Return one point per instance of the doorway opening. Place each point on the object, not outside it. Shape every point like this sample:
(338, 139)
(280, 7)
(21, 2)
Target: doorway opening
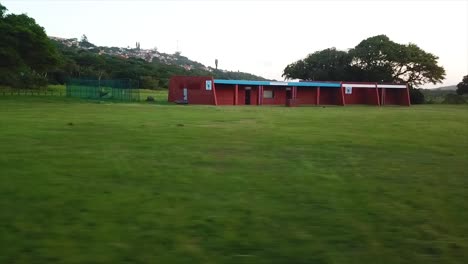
(247, 97)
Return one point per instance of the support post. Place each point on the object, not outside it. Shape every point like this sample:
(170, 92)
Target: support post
(214, 91)
(259, 96)
(407, 96)
(383, 96)
(318, 95)
(236, 94)
(377, 94)
(343, 103)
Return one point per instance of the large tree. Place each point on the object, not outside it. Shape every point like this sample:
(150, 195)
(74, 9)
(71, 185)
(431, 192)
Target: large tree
(375, 59)
(25, 50)
(462, 88)
(385, 60)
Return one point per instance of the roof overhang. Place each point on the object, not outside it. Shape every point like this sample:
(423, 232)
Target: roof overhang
(276, 83)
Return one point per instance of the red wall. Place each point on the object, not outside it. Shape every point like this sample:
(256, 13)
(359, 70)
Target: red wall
(306, 95)
(225, 94)
(330, 96)
(362, 96)
(196, 93)
(253, 95)
(279, 97)
(394, 96)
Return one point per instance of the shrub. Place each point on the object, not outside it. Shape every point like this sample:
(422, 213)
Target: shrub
(454, 99)
(416, 96)
(149, 82)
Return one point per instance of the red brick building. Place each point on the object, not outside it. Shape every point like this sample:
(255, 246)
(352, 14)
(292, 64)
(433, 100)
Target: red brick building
(209, 91)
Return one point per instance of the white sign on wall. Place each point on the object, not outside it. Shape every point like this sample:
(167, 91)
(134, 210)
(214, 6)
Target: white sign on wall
(348, 90)
(278, 83)
(208, 85)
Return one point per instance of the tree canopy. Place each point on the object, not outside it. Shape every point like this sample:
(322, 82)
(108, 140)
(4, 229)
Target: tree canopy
(375, 59)
(462, 87)
(329, 64)
(26, 54)
(2, 11)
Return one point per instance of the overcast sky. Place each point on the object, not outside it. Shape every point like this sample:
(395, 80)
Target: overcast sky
(259, 37)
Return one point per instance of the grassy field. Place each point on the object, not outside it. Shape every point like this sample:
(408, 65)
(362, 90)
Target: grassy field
(88, 182)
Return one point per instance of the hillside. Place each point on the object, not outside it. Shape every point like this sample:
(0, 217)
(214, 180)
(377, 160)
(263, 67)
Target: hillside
(447, 88)
(82, 59)
(437, 95)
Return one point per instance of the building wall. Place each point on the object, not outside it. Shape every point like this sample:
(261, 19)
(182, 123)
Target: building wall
(225, 94)
(279, 97)
(306, 95)
(330, 96)
(394, 96)
(362, 96)
(253, 95)
(196, 91)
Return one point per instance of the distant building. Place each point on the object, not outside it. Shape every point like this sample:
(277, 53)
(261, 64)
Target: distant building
(206, 90)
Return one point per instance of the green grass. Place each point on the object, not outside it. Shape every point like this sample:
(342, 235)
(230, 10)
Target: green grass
(87, 182)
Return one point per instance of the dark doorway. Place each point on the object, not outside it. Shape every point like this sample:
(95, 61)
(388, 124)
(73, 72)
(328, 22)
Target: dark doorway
(288, 95)
(247, 97)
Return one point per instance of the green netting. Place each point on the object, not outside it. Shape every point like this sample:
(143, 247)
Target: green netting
(121, 90)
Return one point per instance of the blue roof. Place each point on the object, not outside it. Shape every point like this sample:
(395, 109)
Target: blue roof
(273, 83)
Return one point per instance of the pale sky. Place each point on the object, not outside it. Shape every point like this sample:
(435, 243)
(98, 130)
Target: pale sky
(259, 37)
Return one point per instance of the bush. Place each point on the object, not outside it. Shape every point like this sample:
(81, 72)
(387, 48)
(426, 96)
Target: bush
(416, 96)
(23, 79)
(150, 99)
(454, 99)
(32, 80)
(149, 82)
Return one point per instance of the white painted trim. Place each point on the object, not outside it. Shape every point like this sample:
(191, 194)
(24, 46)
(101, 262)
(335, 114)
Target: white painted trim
(359, 85)
(399, 86)
(279, 83)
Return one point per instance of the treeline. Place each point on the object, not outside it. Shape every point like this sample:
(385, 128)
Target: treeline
(29, 59)
(457, 95)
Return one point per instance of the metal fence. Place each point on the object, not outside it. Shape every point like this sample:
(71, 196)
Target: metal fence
(30, 92)
(120, 90)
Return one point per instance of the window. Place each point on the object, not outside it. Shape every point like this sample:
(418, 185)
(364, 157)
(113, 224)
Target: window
(268, 94)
